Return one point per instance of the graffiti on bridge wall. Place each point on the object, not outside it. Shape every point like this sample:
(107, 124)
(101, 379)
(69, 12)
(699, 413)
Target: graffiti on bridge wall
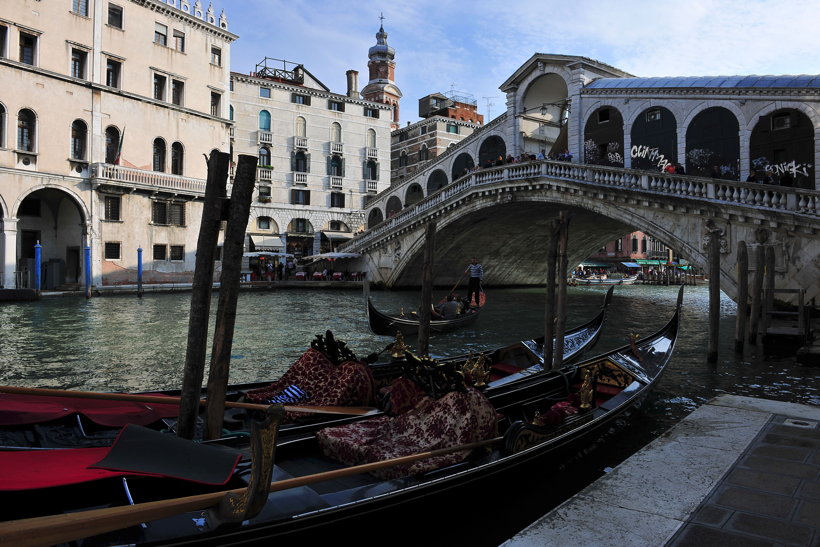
(652, 154)
(791, 167)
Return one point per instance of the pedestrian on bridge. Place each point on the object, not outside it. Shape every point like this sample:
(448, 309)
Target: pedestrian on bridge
(476, 272)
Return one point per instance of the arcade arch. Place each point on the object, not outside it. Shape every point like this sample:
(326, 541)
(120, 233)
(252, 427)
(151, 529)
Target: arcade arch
(462, 165)
(436, 181)
(654, 139)
(604, 137)
(492, 148)
(713, 144)
(413, 195)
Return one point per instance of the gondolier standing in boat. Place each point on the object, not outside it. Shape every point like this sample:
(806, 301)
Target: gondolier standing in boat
(476, 273)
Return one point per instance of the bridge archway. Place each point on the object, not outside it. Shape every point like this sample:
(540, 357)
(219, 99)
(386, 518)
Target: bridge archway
(462, 165)
(604, 137)
(654, 139)
(436, 181)
(492, 148)
(782, 142)
(413, 195)
(393, 206)
(544, 112)
(713, 141)
(374, 217)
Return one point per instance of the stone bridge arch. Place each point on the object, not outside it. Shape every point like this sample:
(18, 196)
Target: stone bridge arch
(436, 181)
(492, 148)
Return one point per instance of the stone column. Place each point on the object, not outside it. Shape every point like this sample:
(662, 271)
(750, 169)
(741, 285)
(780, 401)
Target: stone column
(9, 241)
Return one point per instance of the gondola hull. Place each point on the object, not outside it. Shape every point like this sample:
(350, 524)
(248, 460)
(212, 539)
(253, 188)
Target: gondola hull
(388, 325)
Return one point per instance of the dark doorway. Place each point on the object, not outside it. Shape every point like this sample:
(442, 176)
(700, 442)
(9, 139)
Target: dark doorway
(604, 138)
(72, 264)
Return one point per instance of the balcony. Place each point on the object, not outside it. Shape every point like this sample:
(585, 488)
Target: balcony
(300, 142)
(128, 177)
(264, 174)
(372, 186)
(336, 183)
(264, 137)
(372, 153)
(337, 148)
(232, 132)
(300, 179)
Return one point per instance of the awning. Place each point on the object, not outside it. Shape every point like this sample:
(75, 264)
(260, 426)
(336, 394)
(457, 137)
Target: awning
(338, 235)
(332, 256)
(644, 262)
(596, 264)
(268, 254)
(266, 243)
(631, 264)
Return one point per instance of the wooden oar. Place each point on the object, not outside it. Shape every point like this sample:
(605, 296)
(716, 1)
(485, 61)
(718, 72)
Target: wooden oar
(70, 526)
(157, 399)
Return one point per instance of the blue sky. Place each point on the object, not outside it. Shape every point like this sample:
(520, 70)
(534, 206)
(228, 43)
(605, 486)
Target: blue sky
(472, 47)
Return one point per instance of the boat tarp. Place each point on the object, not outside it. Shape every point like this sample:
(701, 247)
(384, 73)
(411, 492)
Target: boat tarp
(591, 264)
(631, 264)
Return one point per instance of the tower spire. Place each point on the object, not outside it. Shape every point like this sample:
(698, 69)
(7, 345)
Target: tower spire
(382, 87)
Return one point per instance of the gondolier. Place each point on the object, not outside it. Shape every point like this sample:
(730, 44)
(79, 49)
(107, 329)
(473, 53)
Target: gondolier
(476, 272)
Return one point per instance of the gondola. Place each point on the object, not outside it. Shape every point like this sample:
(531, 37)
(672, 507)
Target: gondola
(578, 281)
(32, 421)
(320, 489)
(389, 325)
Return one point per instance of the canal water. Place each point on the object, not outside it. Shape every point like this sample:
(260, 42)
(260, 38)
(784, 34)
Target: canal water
(132, 344)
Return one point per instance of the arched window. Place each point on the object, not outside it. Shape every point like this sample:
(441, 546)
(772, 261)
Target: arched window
(264, 120)
(26, 128)
(159, 155)
(230, 113)
(424, 153)
(335, 132)
(643, 245)
(335, 166)
(371, 170)
(79, 134)
(403, 159)
(264, 156)
(2, 126)
(301, 127)
(300, 162)
(112, 144)
(371, 138)
(177, 158)
(634, 244)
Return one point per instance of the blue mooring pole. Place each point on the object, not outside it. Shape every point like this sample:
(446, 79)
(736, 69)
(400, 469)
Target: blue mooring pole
(38, 263)
(87, 271)
(139, 272)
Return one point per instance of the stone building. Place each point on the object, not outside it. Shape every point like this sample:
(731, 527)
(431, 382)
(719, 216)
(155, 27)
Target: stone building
(321, 154)
(446, 120)
(114, 104)
(381, 67)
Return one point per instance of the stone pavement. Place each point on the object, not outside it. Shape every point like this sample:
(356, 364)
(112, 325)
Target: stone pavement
(737, 471)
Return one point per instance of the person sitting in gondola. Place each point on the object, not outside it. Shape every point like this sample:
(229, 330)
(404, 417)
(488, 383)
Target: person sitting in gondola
(451, 308)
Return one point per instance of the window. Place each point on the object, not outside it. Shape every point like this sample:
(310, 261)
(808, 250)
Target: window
(603, 115)
(160, 252)
(336, 106)
(423, 130)
(263, 223)
(2, 126)
(371, 112)
(26, 127)
(160, 34)
(300, 197)
(337, 199)
(298, 98)
(634, 244)
(216, 99)
(452, 128)
(619, 245)
(218, 254)
(781, 121)
(177, 158)
(112, 73)
(79, 132)
(653, 115)
(299, 226)
(177, 252)
(403, 159)
(159, 155)
(179, 40)
(335, 166)
(4, 34)
(643, 245)
(112, 207)
(112, 144)
(115, 16)
(301, 127)
(335, 132)
(159, 87)
(78, 62)
(371, 138)
(80, 7)
(264, 120)
(168, 213)
(264, 192)
(424, 153)
(28, 48)
(177, 92)
(264, 92)
(299, 162)
(403, 136)
(112, 250)
(264, 157)
(371, 170)
(216, 56)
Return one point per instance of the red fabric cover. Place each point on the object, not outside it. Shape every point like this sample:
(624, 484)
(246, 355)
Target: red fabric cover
(456, 418)
(28, 470)
(400, 396)
(504, 367)
(29, 409)
(558, 412)
(349, 384)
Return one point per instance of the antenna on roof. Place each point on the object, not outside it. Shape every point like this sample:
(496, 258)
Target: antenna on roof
(490, 104)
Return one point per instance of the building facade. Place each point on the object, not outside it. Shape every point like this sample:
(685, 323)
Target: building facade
(106, 110)
(381, 67)
(320, 155)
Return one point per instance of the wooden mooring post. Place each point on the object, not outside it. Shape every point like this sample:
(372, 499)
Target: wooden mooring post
(768, 290)
(561, 299)
(549, 305)
(427, 288)
(714, 295)
(742, 295)
(756, 290)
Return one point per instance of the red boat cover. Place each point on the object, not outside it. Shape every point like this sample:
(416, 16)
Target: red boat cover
(136, 452)
(29, 409)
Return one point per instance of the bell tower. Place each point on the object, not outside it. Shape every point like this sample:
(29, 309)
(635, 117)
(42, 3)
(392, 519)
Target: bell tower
(382, 87)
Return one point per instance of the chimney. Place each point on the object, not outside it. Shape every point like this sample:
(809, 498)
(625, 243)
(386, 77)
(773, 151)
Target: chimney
(352, 84)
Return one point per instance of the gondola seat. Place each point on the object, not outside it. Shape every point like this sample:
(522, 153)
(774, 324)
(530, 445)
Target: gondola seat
(350, 383)
(454, 419)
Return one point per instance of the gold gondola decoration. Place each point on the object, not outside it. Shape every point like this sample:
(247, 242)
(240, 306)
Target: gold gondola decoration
(587, 390)
(399, 346)
(476, 370)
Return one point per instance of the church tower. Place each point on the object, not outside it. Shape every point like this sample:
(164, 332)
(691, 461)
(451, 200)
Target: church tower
(382, 88)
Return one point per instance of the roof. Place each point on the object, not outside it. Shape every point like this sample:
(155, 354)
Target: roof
(723, 82)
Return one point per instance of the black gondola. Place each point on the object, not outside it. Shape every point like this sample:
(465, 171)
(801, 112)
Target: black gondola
(593, 398)
(389, 325)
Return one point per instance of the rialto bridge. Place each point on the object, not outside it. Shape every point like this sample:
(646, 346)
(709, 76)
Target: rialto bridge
(621, 133)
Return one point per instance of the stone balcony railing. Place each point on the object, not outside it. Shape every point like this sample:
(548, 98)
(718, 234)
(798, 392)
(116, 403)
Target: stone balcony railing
(371, 186)
(264, 174)
(300, 178)
(714, 191)
(372, 153)
(300, 142)
(128, 177)
(337, 148)
(264, 137)
(336, 183)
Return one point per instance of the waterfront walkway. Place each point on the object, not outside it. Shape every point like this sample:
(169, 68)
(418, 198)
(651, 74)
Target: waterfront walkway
(737, 471)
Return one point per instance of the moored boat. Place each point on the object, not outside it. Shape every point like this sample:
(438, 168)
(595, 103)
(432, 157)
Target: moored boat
(371, 477)
(602, 280)
(389, 325)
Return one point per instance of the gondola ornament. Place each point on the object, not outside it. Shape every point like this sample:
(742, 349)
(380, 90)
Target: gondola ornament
(399, 347)
(587, 390)
(476, 370)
